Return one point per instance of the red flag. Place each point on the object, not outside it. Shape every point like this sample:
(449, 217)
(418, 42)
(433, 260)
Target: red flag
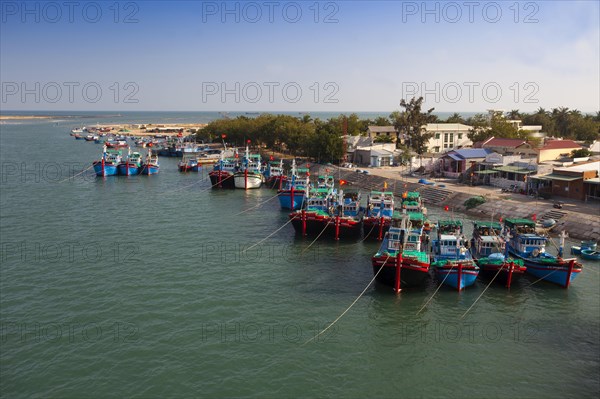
(446, 208)
(534, 217)
(248, 141)
(271, 157)
(500, 219)
(237, 155)
(342, 182)
(223, 136)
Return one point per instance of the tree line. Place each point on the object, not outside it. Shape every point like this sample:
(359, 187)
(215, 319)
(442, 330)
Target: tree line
(322, 139)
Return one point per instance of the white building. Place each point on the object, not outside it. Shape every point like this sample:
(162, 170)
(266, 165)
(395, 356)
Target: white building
(447, 136)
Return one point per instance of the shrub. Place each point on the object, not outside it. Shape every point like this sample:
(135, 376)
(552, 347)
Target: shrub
(474, 201)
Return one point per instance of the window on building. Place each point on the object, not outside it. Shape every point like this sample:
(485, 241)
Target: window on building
(445, 145)
(451, 137)
(437, 136)
(445, 137)
(436, 149)
(459, 136)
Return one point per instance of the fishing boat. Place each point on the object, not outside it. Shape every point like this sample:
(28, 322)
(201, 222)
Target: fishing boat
(576, 250)
(379, 213)
(78, 136)
(250, 174)
(189, 163)
(488, 250)
(77, 130)
(116, 143)
(107, 165)
(524, 243)
(150, 165)
(348, 215)
(275, 175)
(293, 195)
(401, 261)
(222, 174)
(315, 217)
(590, 254)
(130, 166)
(453, 263)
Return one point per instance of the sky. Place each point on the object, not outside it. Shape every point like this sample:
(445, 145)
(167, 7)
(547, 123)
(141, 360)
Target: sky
(464, 56)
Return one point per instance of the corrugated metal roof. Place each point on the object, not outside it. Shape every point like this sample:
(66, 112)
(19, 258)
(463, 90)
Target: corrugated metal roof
(473, 152)
(514, 169)
(455, 157)
(553, 176)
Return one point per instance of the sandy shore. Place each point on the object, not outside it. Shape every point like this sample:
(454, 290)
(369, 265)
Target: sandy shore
(22, 117)
(135, 130)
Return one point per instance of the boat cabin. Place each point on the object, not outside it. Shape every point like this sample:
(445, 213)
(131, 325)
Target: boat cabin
(451, 247)
(381, 204)
(529, 244)
(487, 245)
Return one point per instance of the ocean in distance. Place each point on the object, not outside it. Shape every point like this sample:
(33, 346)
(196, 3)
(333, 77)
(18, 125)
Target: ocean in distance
(140, 287)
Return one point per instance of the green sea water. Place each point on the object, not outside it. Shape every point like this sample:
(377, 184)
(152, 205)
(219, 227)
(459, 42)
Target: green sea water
(143, 287)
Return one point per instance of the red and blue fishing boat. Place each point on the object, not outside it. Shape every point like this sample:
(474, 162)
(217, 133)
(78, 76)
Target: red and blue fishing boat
(130, 166)
(189, 163)
(315, 217)
(150, 165)
(488, 249)
(525, 244)
(453, 264)
(379, 213)
(293, 195)
(107, 165)
(347, 219)
(402, 261)
(275, 175)
(222, 174)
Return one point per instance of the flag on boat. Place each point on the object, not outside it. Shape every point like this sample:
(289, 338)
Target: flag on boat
(534, 217)
(342, 182)
(385, 185)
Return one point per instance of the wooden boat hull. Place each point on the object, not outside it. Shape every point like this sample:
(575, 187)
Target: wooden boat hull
(502, 272)
(222, 180)
(249, 181)
(590, 254)
(125, 169)
(285, 199)
(317, 223)
(108, 170)
(556, 272)
(412, 273)
(150, 169)
(452, 275)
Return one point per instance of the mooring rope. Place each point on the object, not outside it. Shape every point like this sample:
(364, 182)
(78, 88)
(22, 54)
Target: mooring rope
(74, 176)
(483, 292)
(256, 206)
(368, 234)
(352, 304)
(264, 239)
(437, 289)
(315, 240)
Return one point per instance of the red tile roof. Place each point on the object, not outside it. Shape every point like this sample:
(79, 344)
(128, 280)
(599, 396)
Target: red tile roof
(560, 144)
(500, 142)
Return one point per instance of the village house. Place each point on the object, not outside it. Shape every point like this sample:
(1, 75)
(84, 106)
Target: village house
(555, 149)
(509, 146)
(578, 181)
(376, 131)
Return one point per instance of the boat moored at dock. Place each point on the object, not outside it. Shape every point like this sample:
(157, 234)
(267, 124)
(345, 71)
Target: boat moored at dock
(525, 244)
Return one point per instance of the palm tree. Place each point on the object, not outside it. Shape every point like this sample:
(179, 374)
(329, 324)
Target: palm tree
(514, 114)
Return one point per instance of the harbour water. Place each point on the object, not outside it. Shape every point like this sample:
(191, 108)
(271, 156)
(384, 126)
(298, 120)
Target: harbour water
(142, 287)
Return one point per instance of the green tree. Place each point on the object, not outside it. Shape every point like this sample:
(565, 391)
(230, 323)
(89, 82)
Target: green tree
(580, 153)
(411, 123)
(455, 118)
(383, 139)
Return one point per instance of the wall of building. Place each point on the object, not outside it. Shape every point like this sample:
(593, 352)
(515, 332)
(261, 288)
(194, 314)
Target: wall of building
(551, 155)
